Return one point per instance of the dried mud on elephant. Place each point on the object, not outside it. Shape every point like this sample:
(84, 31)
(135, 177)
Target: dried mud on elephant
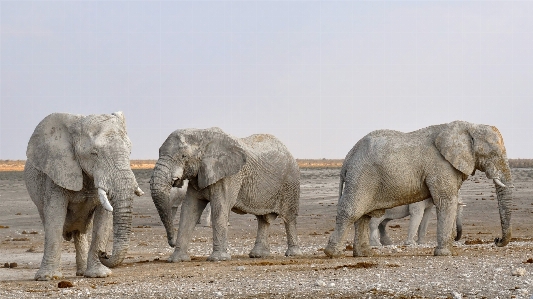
(478, 270)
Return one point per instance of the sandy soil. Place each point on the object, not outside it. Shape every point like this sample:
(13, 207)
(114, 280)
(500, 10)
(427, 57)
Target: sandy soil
(479, 270)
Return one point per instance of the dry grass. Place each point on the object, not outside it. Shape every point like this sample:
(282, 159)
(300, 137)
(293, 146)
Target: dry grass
(18, 165)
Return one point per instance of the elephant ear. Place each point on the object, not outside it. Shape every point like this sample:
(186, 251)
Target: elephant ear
(51, 151)
(120, 116)
(455, 143)
(222, 157)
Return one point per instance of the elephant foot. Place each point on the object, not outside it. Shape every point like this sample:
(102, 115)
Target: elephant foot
(375, 242)
(421, 241)
(409, 242)
(179, 256)
(362, 251)
(98, 271)
(259, 251)
(80, 272)
(293, 251)
(45, 274)
(219, 256)
(386, 241)
(332, 252)
(442, 252)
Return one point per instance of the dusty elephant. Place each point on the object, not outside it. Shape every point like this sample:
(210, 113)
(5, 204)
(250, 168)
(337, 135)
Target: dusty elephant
(255, 175)
(78, 168)
(388, 168)
(419, 213)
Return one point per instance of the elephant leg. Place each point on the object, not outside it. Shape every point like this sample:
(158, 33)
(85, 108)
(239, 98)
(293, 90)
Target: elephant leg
(423, 228)
(416, 211)
(383, 235)
(261, 247)
(191, 210)
(345, 217)
(82, 248)
(293, 249)
(207, 216)
(361, 242)
(374, 231)
(102, 224)
(333, 249)
(54, 214)
(446, 210)
(219, 223)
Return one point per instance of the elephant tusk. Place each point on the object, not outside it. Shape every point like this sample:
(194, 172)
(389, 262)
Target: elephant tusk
(104, 201)
(499, 183)
(139, 192)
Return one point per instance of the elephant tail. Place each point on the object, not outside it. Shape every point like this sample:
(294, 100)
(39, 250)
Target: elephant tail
(341, 182)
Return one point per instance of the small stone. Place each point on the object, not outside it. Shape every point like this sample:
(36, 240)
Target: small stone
(64, 284)
(457, 295)
(6, 265)
(240, 268)
(13, 265)
(518, 272)
(218, 294)
(320, 283)
(331, 285)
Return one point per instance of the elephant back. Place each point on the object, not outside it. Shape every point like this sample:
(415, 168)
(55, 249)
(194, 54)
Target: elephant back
(270, 178)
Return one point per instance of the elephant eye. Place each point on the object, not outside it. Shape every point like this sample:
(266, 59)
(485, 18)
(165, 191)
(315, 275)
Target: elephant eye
(94, 152)
(184, 156)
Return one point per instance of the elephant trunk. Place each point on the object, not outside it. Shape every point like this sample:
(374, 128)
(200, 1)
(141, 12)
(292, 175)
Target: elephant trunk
(160, 186)
(505, 197)
(117, 181)
(122, 218)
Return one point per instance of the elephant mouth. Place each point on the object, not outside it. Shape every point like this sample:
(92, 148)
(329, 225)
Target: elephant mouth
(177, 182)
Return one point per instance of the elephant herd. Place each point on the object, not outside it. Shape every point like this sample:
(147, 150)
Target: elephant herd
(78, 173)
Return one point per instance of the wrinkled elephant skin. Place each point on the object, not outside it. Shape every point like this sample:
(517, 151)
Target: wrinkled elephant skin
(77, 173)
(388, 168)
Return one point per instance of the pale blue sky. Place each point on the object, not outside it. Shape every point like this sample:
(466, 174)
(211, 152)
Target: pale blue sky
(319, 75)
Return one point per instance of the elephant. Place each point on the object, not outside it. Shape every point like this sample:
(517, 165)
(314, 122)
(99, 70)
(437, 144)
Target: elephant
(418, 223)
(177, 195)
(78, 175)
(388, 168)
(254, 175)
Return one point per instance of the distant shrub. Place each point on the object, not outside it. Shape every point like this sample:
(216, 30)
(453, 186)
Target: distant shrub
(521, 163)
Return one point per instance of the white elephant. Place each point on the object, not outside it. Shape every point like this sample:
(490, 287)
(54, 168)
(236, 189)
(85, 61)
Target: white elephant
(78, 168)
(388, 168)
(420, 213)
(255, 175)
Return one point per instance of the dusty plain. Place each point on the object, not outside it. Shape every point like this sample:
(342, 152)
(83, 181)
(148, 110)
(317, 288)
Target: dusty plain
(478, 270)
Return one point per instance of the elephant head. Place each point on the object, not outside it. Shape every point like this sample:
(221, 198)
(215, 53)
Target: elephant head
(69, 148)
(470, 147)
(201, 156)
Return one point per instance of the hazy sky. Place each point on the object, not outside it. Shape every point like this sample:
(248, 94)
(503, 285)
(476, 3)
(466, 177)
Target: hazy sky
(319, 75)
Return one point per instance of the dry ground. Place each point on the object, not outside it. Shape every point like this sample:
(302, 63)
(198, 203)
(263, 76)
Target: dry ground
(480, 270)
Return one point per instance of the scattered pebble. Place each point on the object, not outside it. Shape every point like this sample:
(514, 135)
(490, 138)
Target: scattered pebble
(518, 272)
(457, 295)
(240, 268)
(64, 284)
(320, 283)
